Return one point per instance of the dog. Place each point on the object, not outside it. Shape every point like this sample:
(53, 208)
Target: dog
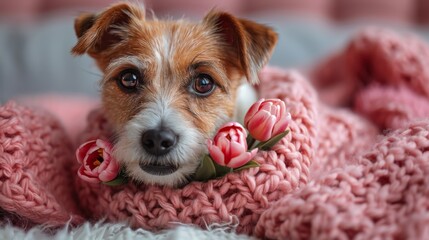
(168, 85)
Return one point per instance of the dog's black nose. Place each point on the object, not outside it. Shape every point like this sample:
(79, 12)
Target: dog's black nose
(159, 141)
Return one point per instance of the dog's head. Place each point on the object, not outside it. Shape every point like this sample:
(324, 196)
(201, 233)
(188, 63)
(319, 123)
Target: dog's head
(169, 85)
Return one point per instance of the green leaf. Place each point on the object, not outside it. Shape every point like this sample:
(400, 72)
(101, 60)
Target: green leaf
(250, 141)
(117, 181)
(250, 164)
(221, 170)
(206, 170)
(267, 145)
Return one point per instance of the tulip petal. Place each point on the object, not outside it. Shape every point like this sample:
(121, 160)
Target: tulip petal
(227, 153)
(259, 118)
(242, 140)
(97, 165)
(106, 146)
(89, 173)
(273, 110)
(104, 165)
(282, 112)
(239, 160)
(261, 126)
(242, 159)
(110, 173)
(228, 125)
(254, 152)
(279, 128)
(84, 176)
(106, 161)
(228, 142)
(223, 144)
(209, 143)
(217, 155)
(252, 111)
(85, 163)
(237, 149)
(234, 126)
(82, 150)
(234, 136)
(282, 124)
(89, 160)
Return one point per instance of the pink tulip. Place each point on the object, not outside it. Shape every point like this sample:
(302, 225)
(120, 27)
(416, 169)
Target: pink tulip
(266, 119)
(98, 165)
(229, 146)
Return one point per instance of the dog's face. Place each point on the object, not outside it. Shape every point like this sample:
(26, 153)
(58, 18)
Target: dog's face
(169, 85)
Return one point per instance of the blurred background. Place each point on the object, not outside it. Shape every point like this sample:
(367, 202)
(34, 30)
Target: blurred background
(36, 35)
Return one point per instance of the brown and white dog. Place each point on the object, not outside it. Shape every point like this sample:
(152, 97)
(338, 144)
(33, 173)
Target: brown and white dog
(169, 85)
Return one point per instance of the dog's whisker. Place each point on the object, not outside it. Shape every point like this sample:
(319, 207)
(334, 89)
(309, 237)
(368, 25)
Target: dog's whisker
(97, 74)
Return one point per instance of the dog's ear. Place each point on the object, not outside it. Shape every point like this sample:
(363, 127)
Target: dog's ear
(251, 43)
(97, 33)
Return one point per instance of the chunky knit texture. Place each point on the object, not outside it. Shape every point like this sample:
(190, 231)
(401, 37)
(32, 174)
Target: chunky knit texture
(382, 196)
(337, 175)
(35, 182)
(379, 191)
(381, 75)
(247, 194)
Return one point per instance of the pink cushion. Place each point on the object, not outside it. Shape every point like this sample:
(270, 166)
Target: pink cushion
(423, 11)
(195, 7)
(398, 11)
(313, 8)
(21, 10)
(81, 5)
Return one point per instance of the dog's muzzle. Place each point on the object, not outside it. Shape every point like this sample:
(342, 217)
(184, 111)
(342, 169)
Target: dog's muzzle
(159, 142)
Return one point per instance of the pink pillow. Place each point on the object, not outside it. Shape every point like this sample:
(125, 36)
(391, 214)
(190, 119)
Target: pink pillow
(20, 10)
(194, 7)
(81, 5)
(310, 8)
(398, 11)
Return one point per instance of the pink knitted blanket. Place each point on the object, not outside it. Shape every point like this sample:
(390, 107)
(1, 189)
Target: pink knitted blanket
(360, 171)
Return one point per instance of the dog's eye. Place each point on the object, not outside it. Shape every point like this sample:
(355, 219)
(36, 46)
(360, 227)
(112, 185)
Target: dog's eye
(203, 85)
(129, 79)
